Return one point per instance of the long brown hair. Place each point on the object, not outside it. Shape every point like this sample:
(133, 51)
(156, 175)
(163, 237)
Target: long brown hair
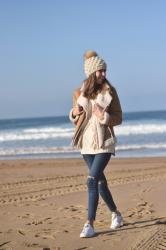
(92, 88)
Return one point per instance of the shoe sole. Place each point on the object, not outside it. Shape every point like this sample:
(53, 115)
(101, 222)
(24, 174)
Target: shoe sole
(121, 224)
(88, 236)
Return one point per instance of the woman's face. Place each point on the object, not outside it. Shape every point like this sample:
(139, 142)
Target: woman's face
(100, 76)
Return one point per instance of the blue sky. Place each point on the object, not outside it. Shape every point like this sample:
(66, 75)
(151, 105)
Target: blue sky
(42, 45)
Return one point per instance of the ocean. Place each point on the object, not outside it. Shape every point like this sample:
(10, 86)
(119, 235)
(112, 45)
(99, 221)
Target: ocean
(142, 134)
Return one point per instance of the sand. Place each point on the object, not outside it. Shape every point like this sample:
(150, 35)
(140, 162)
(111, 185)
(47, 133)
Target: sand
(43, 205)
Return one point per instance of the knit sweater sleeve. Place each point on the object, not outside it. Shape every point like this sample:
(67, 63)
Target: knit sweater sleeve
(71, 117)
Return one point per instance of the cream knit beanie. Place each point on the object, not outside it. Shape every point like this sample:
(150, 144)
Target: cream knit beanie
(93, 63)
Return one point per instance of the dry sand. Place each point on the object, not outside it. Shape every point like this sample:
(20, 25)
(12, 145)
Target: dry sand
(43, 205)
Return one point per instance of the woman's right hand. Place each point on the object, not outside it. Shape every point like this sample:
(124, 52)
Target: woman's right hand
(77, 110)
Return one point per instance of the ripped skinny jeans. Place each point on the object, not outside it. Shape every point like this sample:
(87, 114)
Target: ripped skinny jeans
(97, 183)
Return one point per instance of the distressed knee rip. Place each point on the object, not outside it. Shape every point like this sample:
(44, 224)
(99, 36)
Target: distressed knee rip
(89, 176)
(102, 184)
(91, 182)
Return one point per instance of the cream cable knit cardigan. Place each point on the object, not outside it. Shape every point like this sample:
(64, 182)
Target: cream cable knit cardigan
(93, 136)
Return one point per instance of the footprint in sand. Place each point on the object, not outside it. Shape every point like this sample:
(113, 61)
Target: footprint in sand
(3, 244)
(142, 208)
(40, 221)
(48, 235)
(146, 190)
(22, 232)
(25, 216)
(32, 245)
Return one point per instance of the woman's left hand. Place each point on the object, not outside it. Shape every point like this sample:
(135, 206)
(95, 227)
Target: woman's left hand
(98, 111)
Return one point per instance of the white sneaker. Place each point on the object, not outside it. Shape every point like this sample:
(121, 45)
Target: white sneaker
(117, 220)
(87, 231)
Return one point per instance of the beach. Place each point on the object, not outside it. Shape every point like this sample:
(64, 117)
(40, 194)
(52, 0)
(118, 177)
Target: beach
(43, 204)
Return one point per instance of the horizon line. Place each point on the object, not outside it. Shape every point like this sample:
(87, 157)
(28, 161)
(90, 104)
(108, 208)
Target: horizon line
(65, 115)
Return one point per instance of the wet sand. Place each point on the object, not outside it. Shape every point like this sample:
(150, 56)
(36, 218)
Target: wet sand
(43, 204)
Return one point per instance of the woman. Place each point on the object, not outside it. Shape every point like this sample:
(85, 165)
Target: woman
(96, 110)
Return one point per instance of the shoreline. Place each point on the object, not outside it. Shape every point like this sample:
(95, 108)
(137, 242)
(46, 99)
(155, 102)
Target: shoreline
(79, 157)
